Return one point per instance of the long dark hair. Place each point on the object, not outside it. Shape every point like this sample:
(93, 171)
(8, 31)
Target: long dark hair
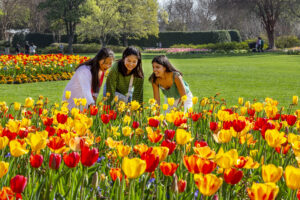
(95, 67)
(138, 70)
(164, 61)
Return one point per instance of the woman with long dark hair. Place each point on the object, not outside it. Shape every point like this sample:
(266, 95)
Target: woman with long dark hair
(126, 77)
(167, 78)
(88, 78)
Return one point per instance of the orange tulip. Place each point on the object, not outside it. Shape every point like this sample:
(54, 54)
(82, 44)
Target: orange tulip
(168, 169)
(263, 191)
(154, 136)
(208, 184)
(6, 193)
(195, 164)
(123, 150)
(115, 173)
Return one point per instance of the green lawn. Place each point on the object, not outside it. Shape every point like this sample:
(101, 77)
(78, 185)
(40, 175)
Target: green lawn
(249, 76)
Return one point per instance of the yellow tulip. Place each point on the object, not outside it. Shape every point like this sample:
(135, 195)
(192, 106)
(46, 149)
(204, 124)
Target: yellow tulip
(3, 142)
(183, 137)
(17, 106)
(224, 136)
(161, 152)
(204, 101)
(171, 101)
(195, 100)
(241, 100)
(165, 106)
(271, 173)
(292, 177)
(205, 152)
(247, 104)
(243, 110)
(68, 94)
(134, 167)
(29, 102)
(127, 131)
(258, 107)
(3, 168)
(13, 126)
(208, 184)
(126, 119)
(228, 159)
(17, 149)
(271, 111)
(251, 164)
(123, 150)
(261, 191)
(183, 98)
(295, 100)
(152, 102)
(274, 138)
(135, 105)
(37, 141)
(83, 101)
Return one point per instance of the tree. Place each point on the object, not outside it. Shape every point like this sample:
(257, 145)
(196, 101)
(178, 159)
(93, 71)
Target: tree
(138, 19)
(69, 11)
(102, 21)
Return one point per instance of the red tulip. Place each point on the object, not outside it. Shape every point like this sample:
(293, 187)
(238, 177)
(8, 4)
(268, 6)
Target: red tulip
(18, 183)
(135, 125)
(233, 176)
(169, 134)
(227, 125)
(168, 169)
(171, 145)
(285, 148)
(115, 173)
(241, 162)
(54, 161)
(251, 112)
(181, 185)
(112, 115)
(72, 159)
(23, 133)
(93, 110)
(56, 143)
(213, 126)
(50, 130)
(291, 120)
(89, 156)
(238, 125)
(61, 118)
(105, 118)
(153, 122)
(151, 159)
(200, 143)
(298, 194)
(48, 121)
(196, 116)
(36, 160)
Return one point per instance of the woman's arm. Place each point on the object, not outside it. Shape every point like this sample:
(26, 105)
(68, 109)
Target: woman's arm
(180, 85)
(138, 93)
(85, 81)
(156, 94)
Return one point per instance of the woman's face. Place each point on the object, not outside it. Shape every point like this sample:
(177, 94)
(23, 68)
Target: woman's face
(158, 69)
(130, 62)
(105, 63)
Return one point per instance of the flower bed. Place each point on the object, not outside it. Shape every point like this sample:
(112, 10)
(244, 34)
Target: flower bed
(129, 152)
(37, 68)
(176, 50)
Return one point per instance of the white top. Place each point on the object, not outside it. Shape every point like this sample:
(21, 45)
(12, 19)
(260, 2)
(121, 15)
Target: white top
(80, 86)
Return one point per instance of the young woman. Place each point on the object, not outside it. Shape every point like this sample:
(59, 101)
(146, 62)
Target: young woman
(126, 78)
(166, 77)
(88, 78)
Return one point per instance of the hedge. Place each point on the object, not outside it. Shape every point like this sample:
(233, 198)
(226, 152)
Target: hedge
(167, 39)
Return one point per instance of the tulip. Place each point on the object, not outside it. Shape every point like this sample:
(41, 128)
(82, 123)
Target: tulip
(205, 152)
(171, 101)
(3, 142)
(36, 160)
(18, 183)
(123, 150)
(17, 106)
(17, 149)
(89, 156)
(196, 117)
(241, 100)
(61, 118)
(251, 164)
(6, 193)
(181, 185)
(228, 159)
(168, 169)
(37, 141)
(29, 102)
(115, 173)
(127, 131)
(298, 194)
(200, 143)
(105, 118)
(171, 145)
(260, 191)
(292, 177)
(213, 126)
(154, 136)
(134, 105)
(169, 134)
(54, 161)
(238, 125)
(271, 173)
(72, 159)
(93, 110)
(274, 138)
(240, 162)
(140, 148)
(153, 122)
(195, 100)
(295, 100)
(223, 136)
(56, 143)
(233, 176)
(134, 167)
(135, 125)
(3, 168)
(208, 184)
(195, 164)
(68, 94)
(161, 152)
(291, 119)
(183, 137)
(151, 159)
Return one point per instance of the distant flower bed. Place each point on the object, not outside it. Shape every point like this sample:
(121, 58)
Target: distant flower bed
(176, 50)
(37, 68)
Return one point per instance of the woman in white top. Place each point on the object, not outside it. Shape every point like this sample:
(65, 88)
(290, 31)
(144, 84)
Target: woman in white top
(88, 78)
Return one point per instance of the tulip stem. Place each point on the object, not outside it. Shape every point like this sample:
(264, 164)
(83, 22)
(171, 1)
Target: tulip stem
(130, 188)
(144, 185)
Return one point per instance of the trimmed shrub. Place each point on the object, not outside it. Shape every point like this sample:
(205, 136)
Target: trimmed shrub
(235, 36)
(216, 47)
(19, 38)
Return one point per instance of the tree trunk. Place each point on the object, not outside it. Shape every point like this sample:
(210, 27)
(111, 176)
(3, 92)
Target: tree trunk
(70, 43)
(271, 37)
(103, 43)
(125, 40)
